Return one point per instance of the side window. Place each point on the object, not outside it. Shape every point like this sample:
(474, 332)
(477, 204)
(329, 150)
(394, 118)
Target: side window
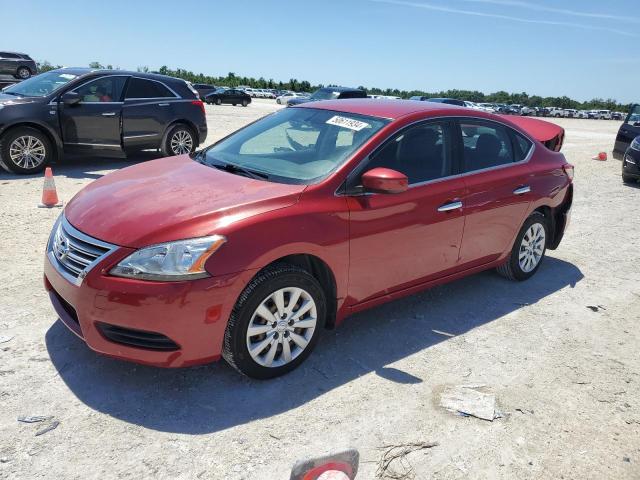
(485, 145)
(634, 115)
(422, 153)
(522, 146)
(102, 90)
(141, 88)
(10, 56)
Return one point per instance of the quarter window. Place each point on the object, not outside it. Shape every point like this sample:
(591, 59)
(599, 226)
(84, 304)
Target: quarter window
(522, 146)
(485, 145)
(141, 88)
(422, 153)
(102, 90)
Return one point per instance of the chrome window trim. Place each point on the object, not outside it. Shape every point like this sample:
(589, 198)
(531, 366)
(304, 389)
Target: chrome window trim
(450, 177)
(82, 237)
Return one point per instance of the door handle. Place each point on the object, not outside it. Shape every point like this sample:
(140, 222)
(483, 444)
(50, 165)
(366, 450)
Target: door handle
(163, 104)
(447, 207)
(522, 190)
(109, 114)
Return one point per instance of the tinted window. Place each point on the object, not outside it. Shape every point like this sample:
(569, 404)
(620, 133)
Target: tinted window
(141, 88)
(485, 145)
(9, 55)
(105, 89)
(422, 153)
(634, 115)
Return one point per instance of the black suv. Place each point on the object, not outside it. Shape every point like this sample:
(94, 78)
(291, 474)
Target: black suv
(106, 112)
(204, 89)
(329, 93)
(629, 130)
(18, 65)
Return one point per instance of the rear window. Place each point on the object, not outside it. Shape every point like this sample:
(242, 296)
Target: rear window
(141, 88)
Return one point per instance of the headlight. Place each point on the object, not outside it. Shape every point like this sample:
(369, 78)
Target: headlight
(635, 145)
(171, 261)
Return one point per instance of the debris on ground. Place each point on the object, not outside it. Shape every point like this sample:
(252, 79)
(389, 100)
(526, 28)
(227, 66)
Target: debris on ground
(53, 425)
(34, 418)
(467, 400)
(5, 338)
(595, 308)
(394, 465)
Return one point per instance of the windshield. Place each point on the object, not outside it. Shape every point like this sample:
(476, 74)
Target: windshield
(295, 145)
(325, 94)
(41, 85)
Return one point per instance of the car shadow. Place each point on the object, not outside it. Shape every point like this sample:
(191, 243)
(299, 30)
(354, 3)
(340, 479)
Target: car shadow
(91, 167)
(214, 397)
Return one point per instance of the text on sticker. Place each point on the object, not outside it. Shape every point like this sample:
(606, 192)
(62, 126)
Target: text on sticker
(345, 122)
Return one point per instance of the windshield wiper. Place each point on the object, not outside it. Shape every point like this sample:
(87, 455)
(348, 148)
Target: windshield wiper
(233, 168)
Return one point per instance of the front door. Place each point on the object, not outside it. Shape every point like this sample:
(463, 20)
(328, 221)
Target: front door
(94, 122)
(629, 130)
(400, 240)
(498, 189)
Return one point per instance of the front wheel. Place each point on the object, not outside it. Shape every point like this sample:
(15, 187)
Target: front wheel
(275, 323)
(179, 140)
(23, 73)
(244, 103)
(528, 250)
(25, 150)
(628, 179)
(218, 101)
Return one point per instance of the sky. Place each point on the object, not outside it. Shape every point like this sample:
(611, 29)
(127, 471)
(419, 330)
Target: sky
(579, 48)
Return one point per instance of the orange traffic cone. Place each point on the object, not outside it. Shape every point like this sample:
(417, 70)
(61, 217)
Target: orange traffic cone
(49, 193)
(602, 156)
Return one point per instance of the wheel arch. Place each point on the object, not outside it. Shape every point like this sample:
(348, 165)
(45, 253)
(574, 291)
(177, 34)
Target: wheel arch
(321, 271)
(51, 135)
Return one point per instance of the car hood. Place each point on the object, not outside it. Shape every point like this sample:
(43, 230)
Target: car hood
(170, 199)
(6, 100)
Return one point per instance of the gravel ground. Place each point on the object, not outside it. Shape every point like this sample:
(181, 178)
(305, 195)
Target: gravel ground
(566, 378)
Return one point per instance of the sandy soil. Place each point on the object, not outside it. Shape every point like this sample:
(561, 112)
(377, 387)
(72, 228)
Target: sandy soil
(566, 378)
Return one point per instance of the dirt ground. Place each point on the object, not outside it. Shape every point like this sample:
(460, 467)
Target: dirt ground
(566, 378)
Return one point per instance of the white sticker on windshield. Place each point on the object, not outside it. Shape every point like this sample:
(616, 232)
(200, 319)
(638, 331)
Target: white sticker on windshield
(68, 76)
(345, 122)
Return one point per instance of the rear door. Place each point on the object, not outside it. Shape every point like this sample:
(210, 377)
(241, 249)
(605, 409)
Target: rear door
(629, 130)
(94, 122)
(149, 107)
(8, 63)
(498, 193)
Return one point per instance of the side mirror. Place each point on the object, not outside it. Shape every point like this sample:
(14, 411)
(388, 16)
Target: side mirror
(70, 98)
(385, 180)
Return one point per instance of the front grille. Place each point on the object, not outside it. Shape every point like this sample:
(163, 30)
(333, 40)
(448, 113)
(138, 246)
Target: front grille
(73, 253)
(137, 338)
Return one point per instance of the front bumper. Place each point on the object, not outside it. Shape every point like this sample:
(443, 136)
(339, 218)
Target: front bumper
(192, 315)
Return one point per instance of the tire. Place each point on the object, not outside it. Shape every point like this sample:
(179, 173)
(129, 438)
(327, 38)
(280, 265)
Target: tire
(278, 101)
(176, 141)
(37, 144)
(628, 179)
(244, 103)
(23, 73)
(513, 267)
(258, 294)
(218, 101)
(234, 104)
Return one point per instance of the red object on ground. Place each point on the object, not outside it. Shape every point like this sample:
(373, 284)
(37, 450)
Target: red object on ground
(602, 156)
(374, 247)
(49, 193)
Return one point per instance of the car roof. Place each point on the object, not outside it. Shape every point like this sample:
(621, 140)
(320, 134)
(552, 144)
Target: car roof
(342, 89)
(15, 53)
(383, 108)
(81, 71)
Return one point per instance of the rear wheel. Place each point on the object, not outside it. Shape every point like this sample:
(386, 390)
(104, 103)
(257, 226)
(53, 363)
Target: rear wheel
(275, 323)
(528, 250)
(244, 103)
(25, 150)
(179, 140)
(218, 101)
(23, 73)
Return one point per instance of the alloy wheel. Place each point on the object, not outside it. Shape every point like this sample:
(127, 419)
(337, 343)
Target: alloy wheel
(27, 152)
(181, 142)
(532, 247)
(281, 327)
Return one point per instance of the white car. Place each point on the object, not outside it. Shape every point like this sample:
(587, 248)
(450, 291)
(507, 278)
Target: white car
(524, 111)
(487, 107)
(583, 113)
(284, 98)
(604, 114)
(251, 92)
(570, 113)
(557, 112)
(473, 105)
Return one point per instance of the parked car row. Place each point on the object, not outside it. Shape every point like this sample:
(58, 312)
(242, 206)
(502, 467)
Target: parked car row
(232, 96)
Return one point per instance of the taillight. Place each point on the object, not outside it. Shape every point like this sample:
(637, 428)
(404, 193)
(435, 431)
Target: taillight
(567, 168)
(200, 103)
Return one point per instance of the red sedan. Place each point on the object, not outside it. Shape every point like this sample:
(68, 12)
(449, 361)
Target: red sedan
(250, 248)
